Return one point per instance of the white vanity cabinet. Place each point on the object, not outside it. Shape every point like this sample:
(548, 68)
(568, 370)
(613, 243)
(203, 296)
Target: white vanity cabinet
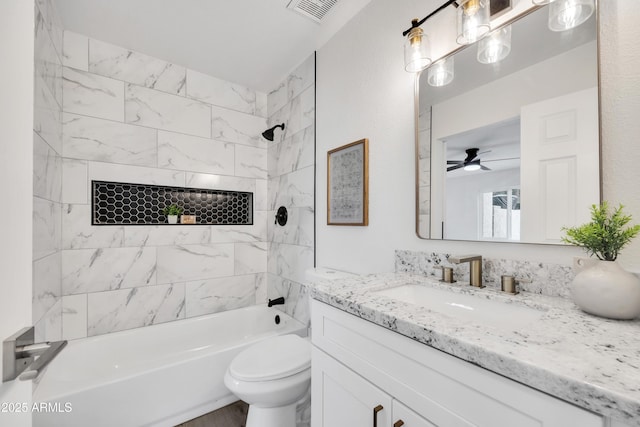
(405, 417)
(350, 400)
(347, 398)
(358, 366)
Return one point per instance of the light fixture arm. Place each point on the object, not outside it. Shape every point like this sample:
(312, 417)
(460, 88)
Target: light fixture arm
(415, 23)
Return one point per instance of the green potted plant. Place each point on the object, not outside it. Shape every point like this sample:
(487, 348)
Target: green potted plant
(605, 288)
(171, 212)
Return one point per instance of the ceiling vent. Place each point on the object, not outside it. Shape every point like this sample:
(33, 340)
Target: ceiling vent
(313, 9)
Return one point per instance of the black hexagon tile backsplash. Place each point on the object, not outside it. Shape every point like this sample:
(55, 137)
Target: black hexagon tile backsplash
(117, 203)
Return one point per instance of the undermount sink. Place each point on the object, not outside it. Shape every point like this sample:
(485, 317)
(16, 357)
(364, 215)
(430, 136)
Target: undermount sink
(475, 309)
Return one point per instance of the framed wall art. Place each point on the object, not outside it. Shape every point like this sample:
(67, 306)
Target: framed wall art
(348, 184)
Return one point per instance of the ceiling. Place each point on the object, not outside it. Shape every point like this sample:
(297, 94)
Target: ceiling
(255, 43)
(498, 144)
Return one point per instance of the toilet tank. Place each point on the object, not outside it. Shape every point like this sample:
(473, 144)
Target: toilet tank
(316, 274)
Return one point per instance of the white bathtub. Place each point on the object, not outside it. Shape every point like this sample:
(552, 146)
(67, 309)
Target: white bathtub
(160, 375)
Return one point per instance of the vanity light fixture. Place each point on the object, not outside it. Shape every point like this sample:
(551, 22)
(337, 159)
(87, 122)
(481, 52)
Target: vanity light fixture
(542, 2)
(417, 54)
(495, 47)
(440, 73)
(567, 14)
(473, 21)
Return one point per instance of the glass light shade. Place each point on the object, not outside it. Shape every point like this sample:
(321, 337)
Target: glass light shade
(473, 21)
(542, 2)
(567, 14)
(495, 47)
(440, 73)
(472, 166)
(417, 55)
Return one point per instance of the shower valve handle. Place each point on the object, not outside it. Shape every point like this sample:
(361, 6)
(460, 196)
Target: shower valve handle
(282, 216)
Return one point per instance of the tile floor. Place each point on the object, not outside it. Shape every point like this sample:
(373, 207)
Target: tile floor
(234, 415)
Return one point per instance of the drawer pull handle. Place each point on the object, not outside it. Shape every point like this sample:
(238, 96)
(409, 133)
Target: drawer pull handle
(398, 423)
(375, 414)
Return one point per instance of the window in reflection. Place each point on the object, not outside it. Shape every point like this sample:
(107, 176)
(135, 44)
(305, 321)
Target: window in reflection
(500, 215)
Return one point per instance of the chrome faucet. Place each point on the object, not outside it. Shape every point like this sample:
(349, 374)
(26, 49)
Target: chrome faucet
(475, 268)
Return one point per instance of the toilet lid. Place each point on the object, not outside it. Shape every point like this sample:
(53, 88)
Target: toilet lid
(272, 358)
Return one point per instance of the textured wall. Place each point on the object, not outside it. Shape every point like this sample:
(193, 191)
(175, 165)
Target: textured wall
(129, 117)
(47, 173)
(365, 60)
(291, 184)
(620, 62)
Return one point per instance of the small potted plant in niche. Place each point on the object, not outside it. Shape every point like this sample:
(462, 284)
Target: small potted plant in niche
(605, 289)
(171, 212)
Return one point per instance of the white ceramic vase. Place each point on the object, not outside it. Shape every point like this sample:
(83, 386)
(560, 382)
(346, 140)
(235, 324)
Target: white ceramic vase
(173, 219)
(607, 290)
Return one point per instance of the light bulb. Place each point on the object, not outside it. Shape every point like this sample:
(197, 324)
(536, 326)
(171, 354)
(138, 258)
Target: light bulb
(473, 21)
(416, 51)
(495, 47)
(567, 14)
(470, 29)
(441, 72)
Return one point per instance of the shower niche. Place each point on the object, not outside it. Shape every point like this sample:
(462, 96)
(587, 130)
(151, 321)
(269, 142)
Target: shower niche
(117, 203)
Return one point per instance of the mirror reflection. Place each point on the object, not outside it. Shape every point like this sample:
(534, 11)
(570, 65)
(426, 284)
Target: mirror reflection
(508, 135)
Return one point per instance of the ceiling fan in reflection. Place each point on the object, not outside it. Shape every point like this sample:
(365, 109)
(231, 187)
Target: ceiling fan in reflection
(472, 161)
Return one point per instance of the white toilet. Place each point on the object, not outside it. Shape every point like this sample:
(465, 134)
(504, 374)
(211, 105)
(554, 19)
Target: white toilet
(272, 376)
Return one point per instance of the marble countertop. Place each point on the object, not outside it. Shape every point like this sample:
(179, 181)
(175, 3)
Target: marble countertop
(586, 360)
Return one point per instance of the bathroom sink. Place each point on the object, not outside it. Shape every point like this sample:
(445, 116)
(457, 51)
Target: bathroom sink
(475, 309)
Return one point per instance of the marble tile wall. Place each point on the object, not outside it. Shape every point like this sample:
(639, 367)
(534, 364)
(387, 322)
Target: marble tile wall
(540, 278)
(424, 166)
(47, 175)
(129, 117)
(291, 171)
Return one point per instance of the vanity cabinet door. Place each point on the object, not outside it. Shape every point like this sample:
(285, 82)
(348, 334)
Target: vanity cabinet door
(342, 398)
(405, 417)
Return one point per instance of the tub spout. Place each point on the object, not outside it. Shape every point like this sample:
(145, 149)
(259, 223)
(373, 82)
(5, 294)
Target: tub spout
(277, 301)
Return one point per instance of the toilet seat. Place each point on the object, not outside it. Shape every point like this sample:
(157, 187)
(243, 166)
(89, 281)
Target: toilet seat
(272, 359)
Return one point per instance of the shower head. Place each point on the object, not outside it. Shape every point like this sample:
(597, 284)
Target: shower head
(268, 134)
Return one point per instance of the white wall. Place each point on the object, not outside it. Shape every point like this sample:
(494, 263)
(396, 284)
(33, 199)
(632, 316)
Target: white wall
(365, 61)
(463, 200)
(16, 159)
(620, 106)
(548, 79)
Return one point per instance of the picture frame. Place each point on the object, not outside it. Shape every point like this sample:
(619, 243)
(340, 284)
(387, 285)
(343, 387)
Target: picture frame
(348, 184)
